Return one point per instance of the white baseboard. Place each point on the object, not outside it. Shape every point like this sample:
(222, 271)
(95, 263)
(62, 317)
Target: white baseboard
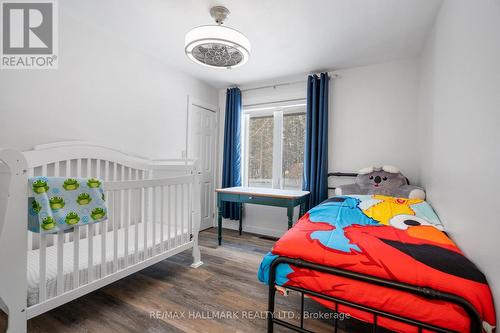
(233, 225)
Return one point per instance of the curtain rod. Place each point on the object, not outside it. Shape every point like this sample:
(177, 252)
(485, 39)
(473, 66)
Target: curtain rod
(275, 102)
(330, 74)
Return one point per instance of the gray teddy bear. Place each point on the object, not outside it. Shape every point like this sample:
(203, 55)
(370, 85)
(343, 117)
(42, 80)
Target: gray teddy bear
(386, 180)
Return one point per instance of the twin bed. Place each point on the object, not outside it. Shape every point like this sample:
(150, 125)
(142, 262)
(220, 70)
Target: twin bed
(153, 213)
(386, 261)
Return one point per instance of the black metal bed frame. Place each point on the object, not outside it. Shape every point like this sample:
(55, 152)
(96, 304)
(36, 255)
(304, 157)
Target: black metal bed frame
(475, 318)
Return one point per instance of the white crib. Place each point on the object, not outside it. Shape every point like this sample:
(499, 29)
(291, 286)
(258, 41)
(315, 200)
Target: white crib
(150, 219)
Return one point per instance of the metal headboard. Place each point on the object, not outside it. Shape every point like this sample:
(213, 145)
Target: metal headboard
(349, 174)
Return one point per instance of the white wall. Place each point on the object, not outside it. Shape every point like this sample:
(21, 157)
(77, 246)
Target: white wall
(373, 116)
(104, 91)
(460, 119)
(373, 110)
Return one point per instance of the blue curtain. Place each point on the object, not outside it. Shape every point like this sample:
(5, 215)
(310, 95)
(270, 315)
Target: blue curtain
(316, 145)
(231, 164)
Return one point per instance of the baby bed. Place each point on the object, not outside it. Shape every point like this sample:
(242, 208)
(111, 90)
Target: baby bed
(150, 219)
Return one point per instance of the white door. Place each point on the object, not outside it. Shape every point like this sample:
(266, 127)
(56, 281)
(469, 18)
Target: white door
(201, 146)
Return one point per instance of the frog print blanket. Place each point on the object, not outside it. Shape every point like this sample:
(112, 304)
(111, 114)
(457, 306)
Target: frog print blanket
(59, 204)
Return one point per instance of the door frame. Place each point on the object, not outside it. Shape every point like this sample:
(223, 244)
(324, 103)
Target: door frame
(191, 102)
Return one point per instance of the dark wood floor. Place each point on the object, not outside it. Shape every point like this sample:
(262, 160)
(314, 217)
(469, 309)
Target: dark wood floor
(227, 282)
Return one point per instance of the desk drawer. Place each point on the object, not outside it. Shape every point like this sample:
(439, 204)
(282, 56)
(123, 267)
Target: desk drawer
(269, 201)
(260, 200)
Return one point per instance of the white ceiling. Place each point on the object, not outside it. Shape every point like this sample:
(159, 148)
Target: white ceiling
(288, 36)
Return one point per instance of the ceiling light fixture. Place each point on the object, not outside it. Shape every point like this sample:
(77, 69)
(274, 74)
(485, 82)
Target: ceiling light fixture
(217, 46)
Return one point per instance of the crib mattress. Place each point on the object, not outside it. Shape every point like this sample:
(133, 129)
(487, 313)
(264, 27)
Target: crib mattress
(51, 256)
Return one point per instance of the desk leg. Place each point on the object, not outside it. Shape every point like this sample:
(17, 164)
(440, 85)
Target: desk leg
(302, 209)
(289, 212)
(241, 218)
(219, 223)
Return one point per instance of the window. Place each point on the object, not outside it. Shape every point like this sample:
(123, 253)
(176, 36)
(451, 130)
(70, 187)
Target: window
(294, 130)
(260, 150)
(273, 146)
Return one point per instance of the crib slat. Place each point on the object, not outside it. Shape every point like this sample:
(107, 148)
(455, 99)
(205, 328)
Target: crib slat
(146, 217)
(115, 220)
(158, 221)
(79, 167)
(106, 171)
(121, 197)
(90, 267)
(169, 214)
(42, 292)
(68, 168)
(89, 168)
(31, 240)
(154, 219)
(76, 257)
(60, 262)
(126, 221)
(90, 231)
(104, 234)
(104, 224)
(190, 209)
(121, 209)
(139, 215)
(98, 168)
(135, 211)
(162, 218)
(183, 234)
(176, 215)
(56, 169)
(115, 231)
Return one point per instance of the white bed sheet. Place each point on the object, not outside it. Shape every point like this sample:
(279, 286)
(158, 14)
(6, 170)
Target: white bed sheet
(51, 261)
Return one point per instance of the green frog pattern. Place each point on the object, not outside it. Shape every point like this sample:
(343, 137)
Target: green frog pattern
(72, 218)
(48, 223)
(40, 186)
(36, 206)
(56, 203)
(98, 213)
(71, 184)
(93, 183)
(83, 199)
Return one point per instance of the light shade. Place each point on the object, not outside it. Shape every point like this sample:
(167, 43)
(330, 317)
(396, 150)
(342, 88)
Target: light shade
(217, 46)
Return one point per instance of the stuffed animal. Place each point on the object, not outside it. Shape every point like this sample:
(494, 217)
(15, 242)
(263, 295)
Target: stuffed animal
(386, 180)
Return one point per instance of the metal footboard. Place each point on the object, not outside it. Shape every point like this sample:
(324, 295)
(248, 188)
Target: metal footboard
(475, 319)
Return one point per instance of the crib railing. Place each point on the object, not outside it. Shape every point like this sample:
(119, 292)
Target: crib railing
(152, 215)
(84, 167)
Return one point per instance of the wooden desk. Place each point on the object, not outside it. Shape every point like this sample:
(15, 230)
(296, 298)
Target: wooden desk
(260, 196)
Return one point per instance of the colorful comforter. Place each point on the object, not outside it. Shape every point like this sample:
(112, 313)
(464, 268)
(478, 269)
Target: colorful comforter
(392, 238)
